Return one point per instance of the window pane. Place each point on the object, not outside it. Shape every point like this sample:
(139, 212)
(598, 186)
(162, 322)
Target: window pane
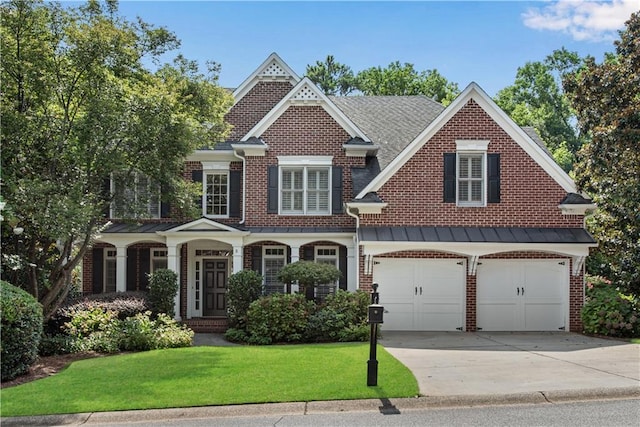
(216, 197)
(476, 167)
(464, 167)
(476, 191)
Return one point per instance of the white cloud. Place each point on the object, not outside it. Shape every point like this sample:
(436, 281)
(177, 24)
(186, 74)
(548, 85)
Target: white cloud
(583, 20)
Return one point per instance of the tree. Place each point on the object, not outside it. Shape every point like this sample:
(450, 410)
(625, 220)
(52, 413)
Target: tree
(308, 274)
(536, 99)
(606, 98)
(404, 79)
(332, 77)
(77, 106)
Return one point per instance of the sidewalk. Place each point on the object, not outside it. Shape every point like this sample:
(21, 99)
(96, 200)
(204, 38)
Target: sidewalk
(453, 369)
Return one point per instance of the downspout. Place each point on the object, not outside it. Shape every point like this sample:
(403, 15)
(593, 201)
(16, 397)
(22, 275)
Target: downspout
(244, 184)
(357, 243)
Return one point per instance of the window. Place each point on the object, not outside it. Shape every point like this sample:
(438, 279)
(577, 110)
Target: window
(135, 197)
(273, 259)
(471, 175)
(158, 259)
(216, 194)
(471, 178)
(305, 191)
(326, 255)
(110, 270)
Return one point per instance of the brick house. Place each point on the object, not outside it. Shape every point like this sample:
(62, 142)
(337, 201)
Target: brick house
(461, 216)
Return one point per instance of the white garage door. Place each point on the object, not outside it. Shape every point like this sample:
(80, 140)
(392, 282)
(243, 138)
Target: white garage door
(522, 295)
(421, 294)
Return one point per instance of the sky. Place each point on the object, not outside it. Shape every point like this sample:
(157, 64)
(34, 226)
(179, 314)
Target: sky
(480, 41)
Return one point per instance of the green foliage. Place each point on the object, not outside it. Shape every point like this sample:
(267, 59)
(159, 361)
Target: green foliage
(403, 79)
(243, 288)
(325, 325)
(606, 100)
(278, 318)
(140, 333)
(21, 319)
(332, 77)
(354, 305)
(236, 335)
(77, 105)
(56, 344)
(342, 317)
(607, 311)
(163, 287)
(536, 99)
(309, 274)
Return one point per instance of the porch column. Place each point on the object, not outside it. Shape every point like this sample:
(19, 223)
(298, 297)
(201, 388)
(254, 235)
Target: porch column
(121, 268)
(173, 264)
(238, 259)
(352, 268)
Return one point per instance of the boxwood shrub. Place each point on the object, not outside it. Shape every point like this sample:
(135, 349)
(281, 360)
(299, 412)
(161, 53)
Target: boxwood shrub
(278, 318)
(21, 330)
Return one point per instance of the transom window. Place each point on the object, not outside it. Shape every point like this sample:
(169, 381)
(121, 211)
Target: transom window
(135, 197)
(217, 194)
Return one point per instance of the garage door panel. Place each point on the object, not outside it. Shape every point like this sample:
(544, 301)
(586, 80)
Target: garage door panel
(498, 316)
(543, 317)
(398, 316)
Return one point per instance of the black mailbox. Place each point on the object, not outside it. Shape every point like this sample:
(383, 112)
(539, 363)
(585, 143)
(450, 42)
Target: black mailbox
(375, 313)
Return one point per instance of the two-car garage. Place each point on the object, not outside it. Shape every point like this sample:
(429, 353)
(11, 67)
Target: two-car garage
(511, 294)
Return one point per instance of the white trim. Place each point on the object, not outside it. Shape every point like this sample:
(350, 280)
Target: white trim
(306, 169)
(259, 74)
(473, 91)
(484, 180)
(250, 150)
(215, 166)
(367, 208)
(198, 225)
(360, 150)
(208, 170)
(471, 145)
(305, 160)
(577, 209)
(212, 155)
(320, 99)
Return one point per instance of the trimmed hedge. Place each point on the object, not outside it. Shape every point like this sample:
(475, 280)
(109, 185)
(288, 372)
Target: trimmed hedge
(163, 287)
(21, 330)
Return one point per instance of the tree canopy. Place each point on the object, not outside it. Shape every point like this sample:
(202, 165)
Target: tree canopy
(78, 105)
(537, 99)
(335, 78)
(606, 98)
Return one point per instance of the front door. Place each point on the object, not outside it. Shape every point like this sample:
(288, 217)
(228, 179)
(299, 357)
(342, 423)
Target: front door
(215, 287)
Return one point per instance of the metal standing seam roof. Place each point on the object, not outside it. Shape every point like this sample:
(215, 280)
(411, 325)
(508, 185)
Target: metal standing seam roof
(475, 234)
(151, 227)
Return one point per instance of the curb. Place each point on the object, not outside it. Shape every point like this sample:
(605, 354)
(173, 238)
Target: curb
(385, 406)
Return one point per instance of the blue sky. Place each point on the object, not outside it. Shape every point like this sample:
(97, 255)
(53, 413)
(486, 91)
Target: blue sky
(481, 41)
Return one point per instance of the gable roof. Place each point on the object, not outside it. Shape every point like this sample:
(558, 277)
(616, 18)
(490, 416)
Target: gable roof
(306, 93)
(474, 92)
(273, 68)
(391, 122)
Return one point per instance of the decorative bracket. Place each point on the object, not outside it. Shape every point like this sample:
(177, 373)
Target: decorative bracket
(578, 262)
(473, 265)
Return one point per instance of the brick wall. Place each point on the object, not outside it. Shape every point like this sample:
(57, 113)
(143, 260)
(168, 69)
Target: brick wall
(254, 106)
(529, 196)
(300, 131)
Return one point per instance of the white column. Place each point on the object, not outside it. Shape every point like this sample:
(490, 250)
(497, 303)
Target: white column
(352, 268)
(238, 258)
(121, 268)
(173, 264)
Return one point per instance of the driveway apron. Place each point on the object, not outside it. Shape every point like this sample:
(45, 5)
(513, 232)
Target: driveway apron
(488, 363)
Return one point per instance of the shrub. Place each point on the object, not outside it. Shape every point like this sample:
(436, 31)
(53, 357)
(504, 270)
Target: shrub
(353, 305)
(163, 287)
(360, 332)
(244, 287)
(21, 319)
(278, 318)
(236, 335)
(51, 345)
(141, 332)
(94, 330)
(124, 304)
(343, 317)
(325, 325)
(607, 311)
(308, 274)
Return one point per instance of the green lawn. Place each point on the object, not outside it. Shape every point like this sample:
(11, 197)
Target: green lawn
(199, 376)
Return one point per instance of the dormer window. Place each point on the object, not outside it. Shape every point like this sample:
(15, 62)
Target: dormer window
(471, 175)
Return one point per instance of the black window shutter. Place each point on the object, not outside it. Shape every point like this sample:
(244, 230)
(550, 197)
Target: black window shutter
(308, 253)
(256, 259)
(493, 173)
(165, 206)
(342, 265)
(450, 177)
(235, 178)
(98, 270)
(196, 176)
(132, 264)
(272, 189)
(336, 190)
(144, 266)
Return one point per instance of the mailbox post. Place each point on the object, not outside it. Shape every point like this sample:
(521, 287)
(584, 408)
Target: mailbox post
(375, 318)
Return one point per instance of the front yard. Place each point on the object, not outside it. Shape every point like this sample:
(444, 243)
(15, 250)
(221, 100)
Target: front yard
(202, 376)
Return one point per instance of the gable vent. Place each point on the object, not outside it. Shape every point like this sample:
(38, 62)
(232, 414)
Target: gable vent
(306, 94)
(274, 70)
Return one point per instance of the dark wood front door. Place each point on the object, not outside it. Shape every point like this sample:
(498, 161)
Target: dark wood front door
(215, 287)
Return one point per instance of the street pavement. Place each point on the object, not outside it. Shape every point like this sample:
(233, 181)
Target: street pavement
(452, 369)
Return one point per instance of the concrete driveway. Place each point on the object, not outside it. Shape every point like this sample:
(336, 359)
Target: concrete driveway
(490, 363)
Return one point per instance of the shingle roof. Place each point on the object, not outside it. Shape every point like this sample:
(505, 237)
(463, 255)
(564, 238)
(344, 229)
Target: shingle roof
(391, 122)
(475, 234)
(533, 134)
